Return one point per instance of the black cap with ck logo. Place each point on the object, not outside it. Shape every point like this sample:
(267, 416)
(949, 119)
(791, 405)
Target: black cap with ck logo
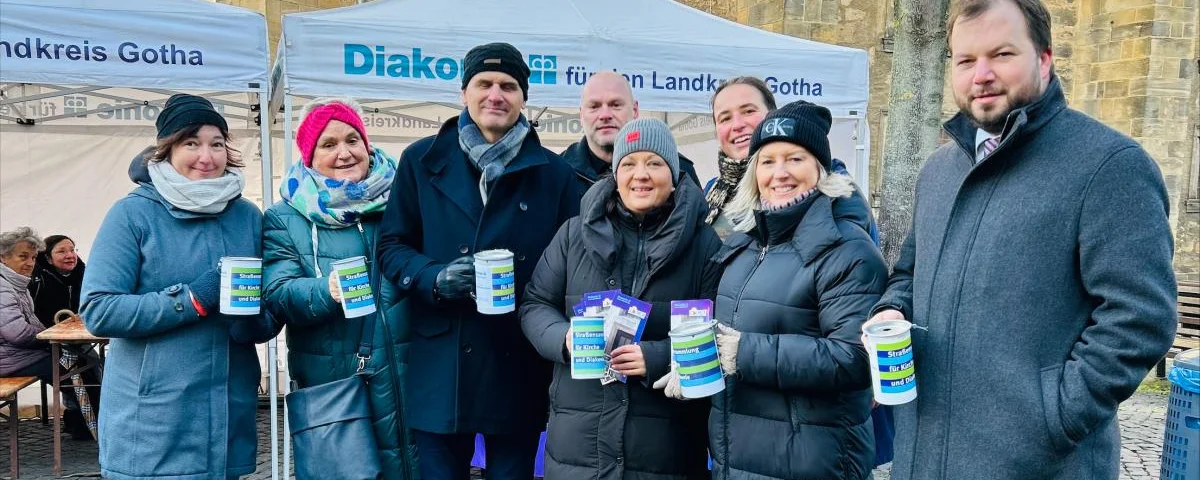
(802, 123)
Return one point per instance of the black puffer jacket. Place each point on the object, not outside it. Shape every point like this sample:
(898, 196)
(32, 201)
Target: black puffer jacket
(622, 431)
(799, 288)
(53, 291)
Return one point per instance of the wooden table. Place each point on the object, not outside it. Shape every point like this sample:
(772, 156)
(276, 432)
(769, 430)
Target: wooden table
(9, 386)
(70, 331)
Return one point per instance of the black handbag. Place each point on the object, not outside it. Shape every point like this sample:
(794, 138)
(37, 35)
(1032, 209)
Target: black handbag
(330, 423)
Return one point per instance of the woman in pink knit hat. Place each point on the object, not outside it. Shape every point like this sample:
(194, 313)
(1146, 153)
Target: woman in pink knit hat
(332, 203)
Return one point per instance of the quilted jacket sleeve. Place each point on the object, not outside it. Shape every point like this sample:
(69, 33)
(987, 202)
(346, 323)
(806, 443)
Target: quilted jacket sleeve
(289, 294)
(15, 329)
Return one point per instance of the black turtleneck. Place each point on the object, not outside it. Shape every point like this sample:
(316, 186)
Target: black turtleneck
(777, 226)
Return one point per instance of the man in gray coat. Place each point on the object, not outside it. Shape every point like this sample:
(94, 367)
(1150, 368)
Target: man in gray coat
(1038, 269)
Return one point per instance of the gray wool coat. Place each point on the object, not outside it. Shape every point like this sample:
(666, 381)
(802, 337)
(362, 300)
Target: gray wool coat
(1043, 275)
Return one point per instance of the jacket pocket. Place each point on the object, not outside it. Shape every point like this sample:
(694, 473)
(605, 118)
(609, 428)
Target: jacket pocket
(1052, 408)
(147, 378)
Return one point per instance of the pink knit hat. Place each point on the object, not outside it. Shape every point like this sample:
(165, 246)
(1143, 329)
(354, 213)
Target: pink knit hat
(316, 121)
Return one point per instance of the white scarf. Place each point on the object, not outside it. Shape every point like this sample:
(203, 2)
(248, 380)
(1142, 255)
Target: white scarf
(210, 195)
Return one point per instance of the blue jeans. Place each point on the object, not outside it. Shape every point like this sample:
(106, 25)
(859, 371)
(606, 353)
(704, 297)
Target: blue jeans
(448, 456)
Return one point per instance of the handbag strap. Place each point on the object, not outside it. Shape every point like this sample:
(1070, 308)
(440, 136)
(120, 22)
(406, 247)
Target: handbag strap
(366, 338)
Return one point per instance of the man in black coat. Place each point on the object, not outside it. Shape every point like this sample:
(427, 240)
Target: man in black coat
(483, 182)
(605, 106)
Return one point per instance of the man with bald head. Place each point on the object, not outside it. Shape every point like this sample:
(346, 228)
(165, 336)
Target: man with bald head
(605, 106)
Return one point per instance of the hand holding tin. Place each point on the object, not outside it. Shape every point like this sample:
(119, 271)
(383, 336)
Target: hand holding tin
(727, 347)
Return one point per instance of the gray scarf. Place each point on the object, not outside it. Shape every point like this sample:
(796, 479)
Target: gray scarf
(207, 196)
(490, 158)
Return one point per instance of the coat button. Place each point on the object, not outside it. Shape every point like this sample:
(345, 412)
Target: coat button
(173, 289)
(407, 280)
(466, 348)
(524, 206)
(620, 460)
(521, 257)
(624, 401)
(463, 249)
(612, 282)
(178, 307)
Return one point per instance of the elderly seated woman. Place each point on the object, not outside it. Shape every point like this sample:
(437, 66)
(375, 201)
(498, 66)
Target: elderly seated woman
(21, 353)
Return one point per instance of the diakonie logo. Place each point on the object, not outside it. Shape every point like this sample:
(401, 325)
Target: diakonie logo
(358, 59)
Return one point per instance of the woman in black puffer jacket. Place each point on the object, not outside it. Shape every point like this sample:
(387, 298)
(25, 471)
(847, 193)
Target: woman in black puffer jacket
(801, 275)
(57, 279)
(641, 231)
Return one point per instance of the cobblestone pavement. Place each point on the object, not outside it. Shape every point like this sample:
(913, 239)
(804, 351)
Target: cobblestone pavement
(1141, 417)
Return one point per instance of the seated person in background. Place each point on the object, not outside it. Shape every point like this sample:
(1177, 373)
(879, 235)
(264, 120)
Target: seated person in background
(21, 353)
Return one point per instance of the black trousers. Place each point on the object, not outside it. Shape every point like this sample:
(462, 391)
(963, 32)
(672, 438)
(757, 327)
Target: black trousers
(448, 456)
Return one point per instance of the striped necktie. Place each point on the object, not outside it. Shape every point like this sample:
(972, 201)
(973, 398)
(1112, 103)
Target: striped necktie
(989, 145)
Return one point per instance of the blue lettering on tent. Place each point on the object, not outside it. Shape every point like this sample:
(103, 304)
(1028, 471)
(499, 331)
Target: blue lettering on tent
(360, 59)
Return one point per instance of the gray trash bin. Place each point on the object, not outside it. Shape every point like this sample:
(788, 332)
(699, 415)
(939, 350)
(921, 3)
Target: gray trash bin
(1181, 439)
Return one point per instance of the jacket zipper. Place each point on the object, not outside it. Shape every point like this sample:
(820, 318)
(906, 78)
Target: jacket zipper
(762, 255)
(641, 254)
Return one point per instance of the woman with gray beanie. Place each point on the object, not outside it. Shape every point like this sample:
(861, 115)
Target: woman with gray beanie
(641, 231)
(180, 384)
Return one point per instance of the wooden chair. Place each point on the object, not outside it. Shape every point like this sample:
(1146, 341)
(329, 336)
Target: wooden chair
(9, 386)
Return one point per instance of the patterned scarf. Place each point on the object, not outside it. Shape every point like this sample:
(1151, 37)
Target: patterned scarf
(207, 196)
(490, 158)
(725, 187)
(339, 203)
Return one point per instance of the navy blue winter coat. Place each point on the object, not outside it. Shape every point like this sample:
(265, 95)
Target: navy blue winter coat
(470, 372)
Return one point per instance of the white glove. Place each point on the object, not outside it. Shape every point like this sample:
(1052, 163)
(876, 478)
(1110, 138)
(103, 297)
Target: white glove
(669, 384)
(727, 346)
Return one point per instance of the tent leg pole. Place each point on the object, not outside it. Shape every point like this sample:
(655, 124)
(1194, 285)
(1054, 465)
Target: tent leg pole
(862, 161)
(272, 355)
(264, 125)
(287, 165)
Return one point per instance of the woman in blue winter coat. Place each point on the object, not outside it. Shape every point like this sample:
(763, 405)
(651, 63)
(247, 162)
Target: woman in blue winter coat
(180, 385)
(801, 275)
(332, 204)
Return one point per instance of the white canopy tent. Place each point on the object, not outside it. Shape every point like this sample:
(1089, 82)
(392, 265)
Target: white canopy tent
(674, 57)
(403, 60)
(81, 82)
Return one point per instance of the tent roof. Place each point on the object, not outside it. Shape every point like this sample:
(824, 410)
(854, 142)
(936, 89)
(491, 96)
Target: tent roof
(659, 36)
(612, 19)
(181, 44)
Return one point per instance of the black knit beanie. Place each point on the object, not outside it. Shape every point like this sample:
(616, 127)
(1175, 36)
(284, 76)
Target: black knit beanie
(497, 57)
(800, 122)
(183, 110)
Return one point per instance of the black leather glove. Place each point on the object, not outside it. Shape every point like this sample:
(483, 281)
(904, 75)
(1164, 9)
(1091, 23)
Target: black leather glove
(456, 281)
